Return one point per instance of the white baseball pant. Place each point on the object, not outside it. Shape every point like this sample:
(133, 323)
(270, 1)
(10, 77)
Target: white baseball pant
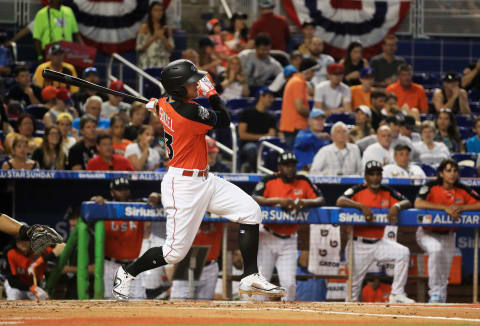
(204, 287)
(185, 200)
(282, 254)
(16, 294)
(440, 249)
(137, 291)
(364, 254)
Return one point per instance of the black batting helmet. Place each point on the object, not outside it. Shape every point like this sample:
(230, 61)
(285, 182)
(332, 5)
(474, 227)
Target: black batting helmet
(178, 73)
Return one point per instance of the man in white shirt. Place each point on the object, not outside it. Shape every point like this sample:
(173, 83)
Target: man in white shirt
(380, 151)
(333, 96)
(402, 166)
(324, 60)
(339, 158)
(114, 104)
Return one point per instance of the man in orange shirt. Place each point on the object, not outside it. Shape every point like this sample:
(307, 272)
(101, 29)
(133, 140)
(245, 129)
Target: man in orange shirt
(361, 93)
(278, 242)
(448, 194)
(369, 245)
(407, 91)
(295, 108)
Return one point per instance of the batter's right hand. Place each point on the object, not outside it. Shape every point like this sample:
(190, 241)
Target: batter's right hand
(205, 87)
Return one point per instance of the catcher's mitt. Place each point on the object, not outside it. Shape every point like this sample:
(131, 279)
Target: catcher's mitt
(42, 236)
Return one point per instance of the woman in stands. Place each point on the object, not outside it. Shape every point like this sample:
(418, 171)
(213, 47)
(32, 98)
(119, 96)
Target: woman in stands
(451, 96)
(154, 40)
(429, 151)
(447, 131)
(19, 159)
(26, 128)
(117, 130)
(139, 153)
(50, 155)
(233, 82)
(63, 103)
(69, 136)
(363, 125)
(353, 63)
(238, 33)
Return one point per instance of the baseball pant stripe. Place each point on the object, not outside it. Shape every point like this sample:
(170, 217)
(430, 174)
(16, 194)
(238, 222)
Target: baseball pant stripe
(175, 208)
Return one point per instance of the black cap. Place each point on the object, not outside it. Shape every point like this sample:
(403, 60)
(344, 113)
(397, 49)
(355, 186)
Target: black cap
(55, 48)
(408, 122)
(402, 146)
(287, 157)
(373, 165)
(205, 41)
(451, 76)
(239, 15)
(119, 183)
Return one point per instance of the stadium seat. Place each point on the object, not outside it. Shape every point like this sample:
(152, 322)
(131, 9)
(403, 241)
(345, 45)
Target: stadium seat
(39, 125)
(269, 156)
(36, 111)
(466, 132)
(429, 170)
(241, 103)
(465, 159)
(475, 107)
(235, 115)
(468, 172)
(474, 95)
(277, 104)
(347, 118)
(464, 120)
(425, 117)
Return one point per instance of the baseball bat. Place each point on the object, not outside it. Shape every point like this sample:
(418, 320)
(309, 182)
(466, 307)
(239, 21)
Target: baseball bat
(75, 81)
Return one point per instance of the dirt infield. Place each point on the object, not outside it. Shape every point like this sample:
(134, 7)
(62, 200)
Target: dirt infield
(151, 312)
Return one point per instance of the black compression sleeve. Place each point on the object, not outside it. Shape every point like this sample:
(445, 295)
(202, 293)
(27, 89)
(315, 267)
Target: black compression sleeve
(223, 117)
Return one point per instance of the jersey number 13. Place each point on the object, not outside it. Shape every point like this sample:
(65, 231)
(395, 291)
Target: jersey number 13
(168, 144)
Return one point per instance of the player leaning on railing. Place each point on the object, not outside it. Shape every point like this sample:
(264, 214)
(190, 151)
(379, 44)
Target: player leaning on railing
(188, 189)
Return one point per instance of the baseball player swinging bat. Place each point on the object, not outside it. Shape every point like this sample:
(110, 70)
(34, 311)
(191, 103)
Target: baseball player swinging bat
(75, 81)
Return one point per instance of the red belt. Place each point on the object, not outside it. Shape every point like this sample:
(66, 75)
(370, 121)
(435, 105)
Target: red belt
(189, 173)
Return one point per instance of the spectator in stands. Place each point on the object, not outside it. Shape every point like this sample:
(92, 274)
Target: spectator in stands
(80, 153)
(473, 143)
(208, 59)
(192, 55)
(260, 68)
(214, 164)
(64, 123)
(471, 77)
(56, 63)
(408, 126)
(402, 166)
(278, 84)
(377, 99)
(339, 158)
(26, 128)
(233, 80)
(255, 123)
(324, 60)
(430, 152)
(139, 153)
(363, 127)
(451, 96)
(115, 103)
(308, 29)
(380, 151)
(158, 143)
(407, 91)
(93, 107)
(50, 155)
(361, 93)
(63, 103)
(391, 105)
(138, 113)
(117, 130)
(24, 91)
(238, 33)
(309, 141)
(106, 160)
(332, 95)
(79, 98)
(154, 39)
(274, 25)
(446, 193)
(218, 37)
(354, 63)
(447, 131)
(6, 60)
(4, 124)
(295, 107)
(376, 291)
(369, 244)
(278, 242)
(296, 58)
(49, 96)
(19, 158)
(386, 63)
(54, 23)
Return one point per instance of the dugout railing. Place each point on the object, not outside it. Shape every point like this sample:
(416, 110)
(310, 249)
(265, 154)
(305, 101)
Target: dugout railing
(94, 213)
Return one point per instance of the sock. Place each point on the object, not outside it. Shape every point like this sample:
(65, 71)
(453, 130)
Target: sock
(248, 243)
(151, 259)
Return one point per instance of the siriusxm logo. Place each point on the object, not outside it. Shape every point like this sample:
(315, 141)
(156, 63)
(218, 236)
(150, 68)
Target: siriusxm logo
(357, 218)
(132, 211)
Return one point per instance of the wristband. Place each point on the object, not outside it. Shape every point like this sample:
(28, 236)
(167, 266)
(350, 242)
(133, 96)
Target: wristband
(397, 205)
(22, 234)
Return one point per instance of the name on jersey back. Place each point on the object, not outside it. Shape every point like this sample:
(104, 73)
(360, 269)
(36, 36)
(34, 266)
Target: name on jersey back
(165, 118)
